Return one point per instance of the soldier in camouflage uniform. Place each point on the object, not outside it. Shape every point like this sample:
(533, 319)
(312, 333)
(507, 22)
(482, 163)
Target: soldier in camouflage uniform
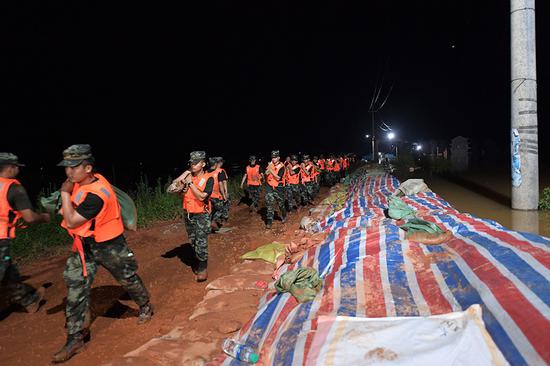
(15, 204)
(216, 198)
(253, 178)
(196, 186)
(91, 214)
(293, 187)
(274, 188)
(224, 179)
(308, 186)
(317, 176)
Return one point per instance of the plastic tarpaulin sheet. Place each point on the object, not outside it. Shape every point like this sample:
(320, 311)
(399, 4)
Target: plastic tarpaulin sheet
(458, 339)
(370, 270)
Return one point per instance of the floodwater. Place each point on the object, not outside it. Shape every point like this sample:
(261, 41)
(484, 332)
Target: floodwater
(480, 205)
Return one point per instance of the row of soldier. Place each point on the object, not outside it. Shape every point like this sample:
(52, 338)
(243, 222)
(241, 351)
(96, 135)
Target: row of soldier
(93, 218)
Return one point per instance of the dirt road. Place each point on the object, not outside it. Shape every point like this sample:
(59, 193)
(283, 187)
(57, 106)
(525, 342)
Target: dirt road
(31, 339)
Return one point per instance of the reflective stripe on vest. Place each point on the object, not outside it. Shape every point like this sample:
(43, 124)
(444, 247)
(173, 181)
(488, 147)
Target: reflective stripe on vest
(253, 177)
(7, 226)
(191, 203)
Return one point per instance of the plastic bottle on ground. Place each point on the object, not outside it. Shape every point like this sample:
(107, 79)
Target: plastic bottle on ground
(240, 351)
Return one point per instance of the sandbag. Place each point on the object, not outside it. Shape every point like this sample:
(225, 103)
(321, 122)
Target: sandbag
(411, 186)
(303, 283)
(268, 252)
(399, 210)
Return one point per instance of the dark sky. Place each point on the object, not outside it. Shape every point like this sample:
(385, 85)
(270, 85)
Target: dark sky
(145, 81)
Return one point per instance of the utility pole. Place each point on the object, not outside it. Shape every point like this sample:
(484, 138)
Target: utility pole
(372, 136)
(525, 166)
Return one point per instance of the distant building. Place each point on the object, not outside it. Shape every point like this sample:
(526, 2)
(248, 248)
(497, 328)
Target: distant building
(460, 153)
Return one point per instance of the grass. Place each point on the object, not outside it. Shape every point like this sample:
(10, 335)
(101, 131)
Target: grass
(544, 203)
(152, 202)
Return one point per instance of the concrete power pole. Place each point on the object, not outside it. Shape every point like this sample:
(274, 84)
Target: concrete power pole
(525, 164)
(374, 157)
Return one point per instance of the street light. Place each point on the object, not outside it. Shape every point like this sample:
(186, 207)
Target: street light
(367, 136)
(391, 135)
(418, 147)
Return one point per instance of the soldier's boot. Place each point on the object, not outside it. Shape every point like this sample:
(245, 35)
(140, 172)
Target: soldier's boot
(75, 343)
(202, 273)
(38, 297)
(268, 224)
(283, 220)
(145, 313)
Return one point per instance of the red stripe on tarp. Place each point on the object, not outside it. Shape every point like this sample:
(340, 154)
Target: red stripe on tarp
(540, 255)
(531, 322)
(426, 281)
(289, 305)
(374, 294)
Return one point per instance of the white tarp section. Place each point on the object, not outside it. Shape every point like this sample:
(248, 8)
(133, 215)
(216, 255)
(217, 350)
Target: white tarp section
(456, 338)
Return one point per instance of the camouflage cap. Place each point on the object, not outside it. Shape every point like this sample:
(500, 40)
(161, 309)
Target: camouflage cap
(196, 156)
(293, 158)
(315, 157)
(7, 158)
(252, 157)
(75, 154)
(219, 159)
(305, 157)
(212, 161)
(275, 154)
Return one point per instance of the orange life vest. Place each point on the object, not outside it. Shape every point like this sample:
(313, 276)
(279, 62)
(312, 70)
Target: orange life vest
(271, 179)
(253, 177)
(216, 188)
(191, 203)
(321, 163)
(293, 178)
(306, 178)
(330, 165)
(7, 226)
(107, 224)
(316, 170)
(337, 166)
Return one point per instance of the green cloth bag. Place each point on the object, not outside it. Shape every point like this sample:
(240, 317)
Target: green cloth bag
(303, 283)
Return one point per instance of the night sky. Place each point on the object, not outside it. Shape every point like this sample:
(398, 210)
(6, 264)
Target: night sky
(148, 82)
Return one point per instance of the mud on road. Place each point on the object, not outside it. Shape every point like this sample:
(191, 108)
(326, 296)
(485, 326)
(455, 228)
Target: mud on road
(163, 257)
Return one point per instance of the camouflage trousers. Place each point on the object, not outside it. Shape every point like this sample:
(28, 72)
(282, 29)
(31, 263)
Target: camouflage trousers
(10, 280)
(317, 188)
(114, 256)
(220, 210)
(198, 228)
(272, 196)
(294, 196)
(254, 194)
(308, 192)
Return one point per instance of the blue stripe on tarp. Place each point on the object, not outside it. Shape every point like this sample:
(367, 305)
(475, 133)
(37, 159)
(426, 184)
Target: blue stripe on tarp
(324, 256)
(286, 345)
(348, 275)
(467, 295)
(426, 203)
(401, 293)
(535, 238)
(508, 258)
(259, 327)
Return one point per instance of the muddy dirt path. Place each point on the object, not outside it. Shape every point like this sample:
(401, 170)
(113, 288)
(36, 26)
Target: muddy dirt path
(31, 339)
